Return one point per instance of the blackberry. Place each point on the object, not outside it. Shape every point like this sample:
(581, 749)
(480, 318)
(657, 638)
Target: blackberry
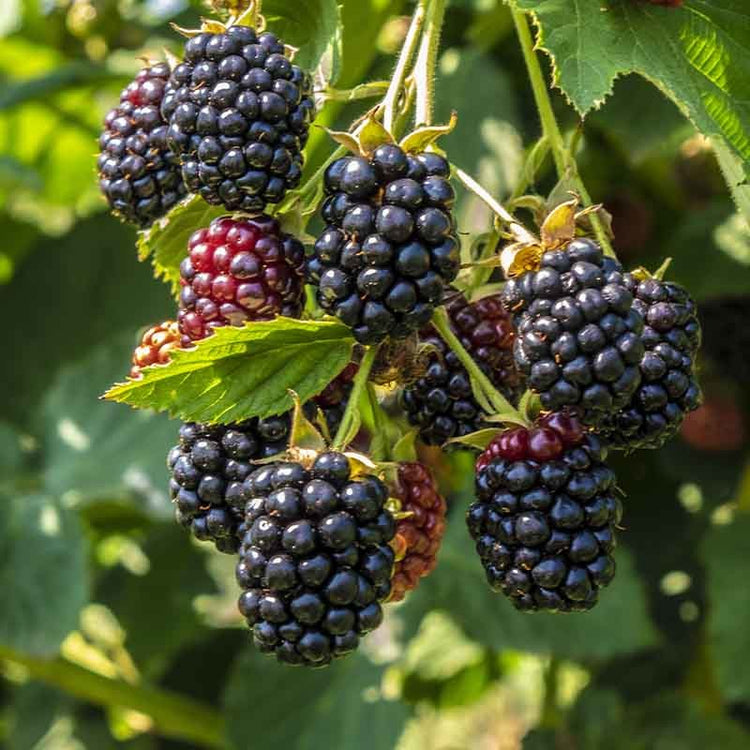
(138, 175)
(239, 113)
(441, 402)
(668, 389)
(545, 515)
(578, 335)
(207, 469)
(389, 246)
(315, 562)
(419, 534)
(155, 347)
(726, 341)
(238, 270)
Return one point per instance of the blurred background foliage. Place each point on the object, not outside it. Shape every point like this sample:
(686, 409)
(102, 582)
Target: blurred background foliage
(117, 631)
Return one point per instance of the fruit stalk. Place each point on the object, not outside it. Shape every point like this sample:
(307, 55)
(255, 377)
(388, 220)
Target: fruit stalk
(442, 323)
(352, 407)
(424, 70)
(564, 161)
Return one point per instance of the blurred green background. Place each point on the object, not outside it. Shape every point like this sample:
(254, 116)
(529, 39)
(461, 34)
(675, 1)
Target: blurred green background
(117, 631)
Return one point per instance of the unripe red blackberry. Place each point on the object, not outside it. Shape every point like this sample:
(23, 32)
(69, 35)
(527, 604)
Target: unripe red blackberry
(669, 389)
(207, 469)
(545, 516)
(239, 113)
(138, 175)
(578, 335)
(441, 402)
(315, 562)
(717, 425)
(238, 270)
(420, 533)
(156, 345)
(389, 247)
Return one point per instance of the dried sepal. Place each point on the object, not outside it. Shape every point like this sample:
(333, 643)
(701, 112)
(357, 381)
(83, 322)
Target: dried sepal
(422, 138)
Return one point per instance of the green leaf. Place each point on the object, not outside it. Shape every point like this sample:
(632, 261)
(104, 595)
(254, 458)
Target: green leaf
(735, 176)
(166, 241)
(42, 573)
(243, 372)
(618, 624)
(101, 450)
(330, 706)
(728, 565)
(479, 439)
(697, 55)
(313, 26)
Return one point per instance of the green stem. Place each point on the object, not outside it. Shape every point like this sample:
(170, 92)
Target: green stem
(471, 184)
(174, 715)
(396, 87)
(379, 425)
(564, 162)
(360, 379)
(550, 718)
(424, 70)
(442, 323)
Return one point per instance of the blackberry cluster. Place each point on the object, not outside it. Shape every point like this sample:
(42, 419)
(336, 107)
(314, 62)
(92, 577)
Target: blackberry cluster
(668, 389)
(207, 469)
(138, 175)
(418, 535)
(155, 347)
(579, 336)
(239, 114)
(389, 247)
(441, 402)
(726, 341)
(545, 516)
(238, 270)
(315, 562)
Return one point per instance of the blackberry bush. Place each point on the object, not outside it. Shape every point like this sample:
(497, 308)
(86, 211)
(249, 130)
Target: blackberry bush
(238, 270)
(239, 113)
(441, 402)
(138, 175)
(420, 533)
(315, 561)
(207, 468)
(669, 389)
(156, 345)
(389, 247)
(545, 515)
(579, 336)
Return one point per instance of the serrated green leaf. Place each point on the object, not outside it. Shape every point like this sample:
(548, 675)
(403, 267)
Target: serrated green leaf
(42, 573)
(165, 242)
(331, 706)
(243, 372)
(697, 55)
(735, 176)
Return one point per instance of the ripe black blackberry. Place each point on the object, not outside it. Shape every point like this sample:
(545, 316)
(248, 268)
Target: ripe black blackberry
(389, 247)
(545, 516)
(578, 335)
(315, 562)
(669, 389)
(138, 175)
(440, 402)
(239, 113)
(207, 469)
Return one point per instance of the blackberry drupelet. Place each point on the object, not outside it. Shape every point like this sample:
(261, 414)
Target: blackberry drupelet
(441, 402)
(669, 389)
(578, 335)
(207, 469)
(138, 175)
(238, 270)
(545, 516)
(315, 562)
(239, 113)
(419, 535)
(389, 248)
(155, 347)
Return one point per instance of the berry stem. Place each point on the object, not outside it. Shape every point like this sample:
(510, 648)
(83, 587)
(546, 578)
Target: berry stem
(499, 403)
(564, 161)
(352, 407)
(383, 452)
(471, 184)
(396, 87)
(424, 70)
